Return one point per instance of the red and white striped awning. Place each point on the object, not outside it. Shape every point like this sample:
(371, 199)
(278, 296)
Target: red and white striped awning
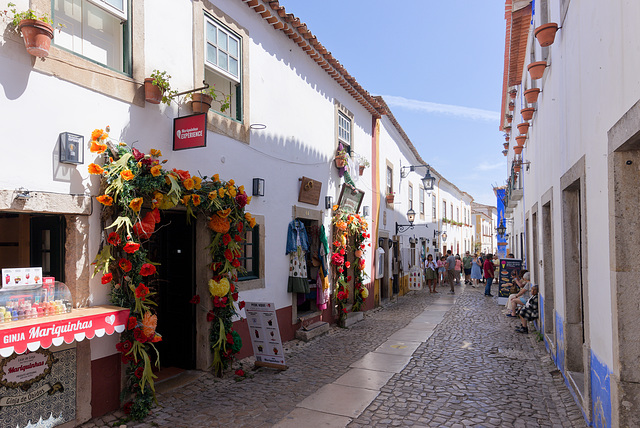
(31, 334)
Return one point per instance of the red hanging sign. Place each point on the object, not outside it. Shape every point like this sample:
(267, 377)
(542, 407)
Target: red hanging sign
(190, 131)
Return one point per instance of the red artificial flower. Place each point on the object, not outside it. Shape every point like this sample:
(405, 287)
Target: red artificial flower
(127, 407)
(131, 247)
(228, 255)
(232, 287)
(132, 323)
(241, 199)
(215, 266)
(124, 347)
(241, 305)
(141, 291)
(235, 263)
(237, 238)
(235, 297)
(226, 238)
(195, 299)
(229, 338)
(124, 264)
(344, 310)
(126, 359)
(147, 269)
(240, 373)
(137, 154)
(340, 270)
(239, 227)
(347, 264)
(182, 175)
(139, 335)
(219, 302)
(210, 316)
(337, 259)
(113, 239)
(107, 278)
(138, 372)
(336, 243)
(349, 278)
(342, 295)
(342, 251)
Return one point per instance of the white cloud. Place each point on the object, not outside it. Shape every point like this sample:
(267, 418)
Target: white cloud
(486, 166)
(467, 112)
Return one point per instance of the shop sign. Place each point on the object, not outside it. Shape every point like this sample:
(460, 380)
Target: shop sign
(21, 276)
(38, 388)
(190, 131)
(44, 334)
(265, 334)
(350, 199)
(509, 269)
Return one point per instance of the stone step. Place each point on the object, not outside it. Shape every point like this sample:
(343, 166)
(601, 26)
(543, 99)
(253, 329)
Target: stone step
(312, 331)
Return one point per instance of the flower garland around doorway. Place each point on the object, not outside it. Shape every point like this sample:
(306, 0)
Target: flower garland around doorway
(131, 181)
(349, 227)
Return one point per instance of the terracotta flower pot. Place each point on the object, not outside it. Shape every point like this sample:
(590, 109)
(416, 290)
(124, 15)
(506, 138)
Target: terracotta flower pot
(512, 106)
(504, 152)
(361, 169)
(152, 93)
(507, 128)
(521, 139)
(390, 199)
(516, 168)
(513, 92)
(37, 36)
(340, 162)
(531, 95)
(200, 103)
(523, 127)
(546, 34)
(527, 113)
(506, 145)
(509, 119)
(507, 137)
(518, 149)
(536, 69)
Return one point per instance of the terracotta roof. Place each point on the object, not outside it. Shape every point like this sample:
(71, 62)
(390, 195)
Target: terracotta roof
(516, 38)
(292, 27)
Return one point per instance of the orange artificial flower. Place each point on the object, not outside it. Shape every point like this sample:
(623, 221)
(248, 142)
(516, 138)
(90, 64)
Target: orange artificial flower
(197, 183)
(99, 134)
(182, 175)
(216, 178)
(219, 224)
(196, 200)
(249, 199)
(185, 199)
(188, 183)
(213, 195)
(221, 192)
(149, 324)
(127, 175)
(232, 191)
(157, 200)
(250, 219)
(136, 204)
(231, 182)
(155, 153)
(105, 200)
(95, 169)
(155, 170)
(224, 213)
(97, 147)
(241, 189)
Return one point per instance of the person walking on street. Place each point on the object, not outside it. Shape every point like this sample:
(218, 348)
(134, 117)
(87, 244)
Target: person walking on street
(442, 270)
(489, 270)
(467, 260)
(430, 273)
(458, 268)
(451, 270)
(476, 270)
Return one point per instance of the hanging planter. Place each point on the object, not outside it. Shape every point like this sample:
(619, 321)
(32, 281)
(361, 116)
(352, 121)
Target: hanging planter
(536, 69)
(527, 113)
(506, 145)
(517, 149)
(523, 127)
(507, 129)
(507, 137)
(512, 106)
(200, 103)
(152, 93)
(531, 95)
(521, 139)
(512, 93)
(516, 168)
(37, 36)
(546, 34)
(505, 151)
(341, 161)
(390, 197)
(509, 118)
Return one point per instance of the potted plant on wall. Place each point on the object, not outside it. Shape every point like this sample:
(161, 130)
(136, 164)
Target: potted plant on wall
(513, 92)
(509, 118)
(364, 163)
(201, 100)
(157, 88)
(341, 157)
(36, 29)
(390, 197)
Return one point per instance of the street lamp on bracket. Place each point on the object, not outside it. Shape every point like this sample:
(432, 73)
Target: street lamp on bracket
(411, 216)
(427, 181)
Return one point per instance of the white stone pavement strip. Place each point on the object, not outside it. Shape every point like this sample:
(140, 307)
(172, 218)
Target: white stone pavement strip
(348, 396)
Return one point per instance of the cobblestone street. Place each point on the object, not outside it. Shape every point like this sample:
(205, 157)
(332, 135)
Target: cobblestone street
(470, 369)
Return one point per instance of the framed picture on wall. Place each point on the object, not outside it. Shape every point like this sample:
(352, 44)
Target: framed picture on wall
(350, 199)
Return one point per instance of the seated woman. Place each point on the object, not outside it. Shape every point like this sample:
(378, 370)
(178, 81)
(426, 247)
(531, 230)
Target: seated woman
(529, 311)
(521, 297)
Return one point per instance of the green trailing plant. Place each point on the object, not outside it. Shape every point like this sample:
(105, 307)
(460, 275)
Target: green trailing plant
(15, 17)
(161, 80)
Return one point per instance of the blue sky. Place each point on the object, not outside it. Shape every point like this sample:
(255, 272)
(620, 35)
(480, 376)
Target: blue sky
(438, 64)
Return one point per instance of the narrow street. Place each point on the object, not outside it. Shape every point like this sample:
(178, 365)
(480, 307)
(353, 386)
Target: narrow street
(425, 360)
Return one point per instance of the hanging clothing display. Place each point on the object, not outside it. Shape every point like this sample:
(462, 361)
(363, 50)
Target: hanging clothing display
(323, 290)
(297, 247)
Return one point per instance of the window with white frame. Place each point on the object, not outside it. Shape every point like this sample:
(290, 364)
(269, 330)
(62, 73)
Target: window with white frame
(223, 67)
(95, 29)
(421, 196)
(344, 127)
(457, 214)
(389, 180)
(444, 209)
(434, 214)
(410, 196)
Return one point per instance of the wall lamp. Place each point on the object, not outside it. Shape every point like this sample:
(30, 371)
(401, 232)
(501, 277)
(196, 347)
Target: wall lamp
(427, 181)
(258, 187)
(365, 211)
(411, 216)
(328, 202)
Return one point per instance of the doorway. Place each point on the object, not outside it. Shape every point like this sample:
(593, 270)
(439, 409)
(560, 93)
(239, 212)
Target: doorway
(547, 273)
(173, 246)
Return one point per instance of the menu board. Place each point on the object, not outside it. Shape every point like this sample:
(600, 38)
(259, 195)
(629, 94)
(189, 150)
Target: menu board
(509, 269)
(21, 276)
(265, 334)
(415, 278)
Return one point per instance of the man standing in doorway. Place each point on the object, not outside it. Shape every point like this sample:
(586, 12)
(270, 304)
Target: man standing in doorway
(467, 260)
(488, 270)
(451, 270)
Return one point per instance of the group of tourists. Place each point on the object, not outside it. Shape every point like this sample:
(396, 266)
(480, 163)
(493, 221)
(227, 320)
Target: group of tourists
(450, 268)
(523, 301)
